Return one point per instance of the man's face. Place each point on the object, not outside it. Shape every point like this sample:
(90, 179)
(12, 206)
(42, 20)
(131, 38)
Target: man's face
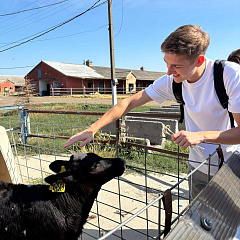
(181, 68)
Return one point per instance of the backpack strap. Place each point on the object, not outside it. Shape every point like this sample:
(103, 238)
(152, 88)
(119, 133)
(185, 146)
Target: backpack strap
(220, 88)
(177, 91)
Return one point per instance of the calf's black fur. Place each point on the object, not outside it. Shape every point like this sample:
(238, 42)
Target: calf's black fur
(33, 212)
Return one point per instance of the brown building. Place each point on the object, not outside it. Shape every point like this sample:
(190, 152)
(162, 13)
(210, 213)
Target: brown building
(47, 75)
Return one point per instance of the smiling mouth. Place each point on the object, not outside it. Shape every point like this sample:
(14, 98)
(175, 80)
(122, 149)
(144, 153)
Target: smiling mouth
(176, 75)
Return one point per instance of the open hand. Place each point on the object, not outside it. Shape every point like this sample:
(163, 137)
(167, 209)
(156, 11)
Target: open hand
(85, 137)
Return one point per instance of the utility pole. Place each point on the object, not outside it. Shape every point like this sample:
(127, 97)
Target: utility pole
(113, 75)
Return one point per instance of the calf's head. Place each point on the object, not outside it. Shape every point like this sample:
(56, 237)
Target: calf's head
(86, 168)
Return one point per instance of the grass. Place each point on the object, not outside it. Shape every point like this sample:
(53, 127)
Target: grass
(59, 124)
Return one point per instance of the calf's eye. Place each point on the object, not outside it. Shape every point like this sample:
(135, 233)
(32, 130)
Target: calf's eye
(95, 166)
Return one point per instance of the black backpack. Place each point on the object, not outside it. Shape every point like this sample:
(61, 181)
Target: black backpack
(219, 87)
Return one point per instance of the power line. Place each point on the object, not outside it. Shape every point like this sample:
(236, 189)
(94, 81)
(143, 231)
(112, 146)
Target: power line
(18, 67)
(34, 17)
(14, 16)
(121, 22)
(93, 30)
(64, 36)
(29, 36)
(26, 10)
(95, 5)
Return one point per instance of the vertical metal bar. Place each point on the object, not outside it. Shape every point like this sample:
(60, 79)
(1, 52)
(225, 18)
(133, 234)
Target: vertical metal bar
(23, 125)
(98, 219)
(28, 123)
(39, 153)
(159, 216)
(119, 189)
(209, 162)
(25, 154)
(190, 184)
(54, 142)
(145, 166)
(117, 132)
(178, 179)
(73, 151)
(120, 207)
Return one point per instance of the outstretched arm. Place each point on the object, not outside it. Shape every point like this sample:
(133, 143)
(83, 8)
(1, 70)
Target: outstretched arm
(111, 115)
(229, 137)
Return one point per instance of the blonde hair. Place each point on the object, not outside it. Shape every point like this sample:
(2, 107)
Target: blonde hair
(188, 40)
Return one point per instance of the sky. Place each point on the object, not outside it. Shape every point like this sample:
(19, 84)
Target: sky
(140, 26)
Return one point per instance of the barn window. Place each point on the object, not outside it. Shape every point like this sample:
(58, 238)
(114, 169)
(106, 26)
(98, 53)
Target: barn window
(39, 73)
(56, 85)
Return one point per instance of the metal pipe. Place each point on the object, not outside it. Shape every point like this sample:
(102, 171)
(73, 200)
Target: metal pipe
(137, 114)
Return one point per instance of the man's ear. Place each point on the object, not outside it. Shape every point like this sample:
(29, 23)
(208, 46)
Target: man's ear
(57, 165)
(201, 60)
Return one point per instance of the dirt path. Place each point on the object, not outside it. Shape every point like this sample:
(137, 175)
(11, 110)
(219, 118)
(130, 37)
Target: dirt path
(11, 100)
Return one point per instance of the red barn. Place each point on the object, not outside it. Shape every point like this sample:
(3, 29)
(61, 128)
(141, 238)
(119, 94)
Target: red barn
(11, 83)
(49, 75)
(6, 86)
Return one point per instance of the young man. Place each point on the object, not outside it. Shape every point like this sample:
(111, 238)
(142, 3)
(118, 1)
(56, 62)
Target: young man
(205, 118)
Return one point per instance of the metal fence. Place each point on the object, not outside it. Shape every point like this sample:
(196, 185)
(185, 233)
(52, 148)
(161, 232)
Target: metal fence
(128, 207)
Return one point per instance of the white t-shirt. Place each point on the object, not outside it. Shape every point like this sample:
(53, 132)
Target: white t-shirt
(202, 109)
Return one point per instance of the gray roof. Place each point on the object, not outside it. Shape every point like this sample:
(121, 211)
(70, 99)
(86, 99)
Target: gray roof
(74, 70)
(122, 73)
(106, 72)
(147, 75)
(17, 80)
(84, 71)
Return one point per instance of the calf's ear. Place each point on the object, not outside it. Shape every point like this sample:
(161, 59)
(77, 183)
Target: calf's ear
(57, 165)
(51, 179)
(64, 176)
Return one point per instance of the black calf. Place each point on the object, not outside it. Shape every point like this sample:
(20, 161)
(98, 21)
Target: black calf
(33, 212)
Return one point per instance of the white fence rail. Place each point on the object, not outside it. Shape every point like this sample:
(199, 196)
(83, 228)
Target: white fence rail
(90, 91)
